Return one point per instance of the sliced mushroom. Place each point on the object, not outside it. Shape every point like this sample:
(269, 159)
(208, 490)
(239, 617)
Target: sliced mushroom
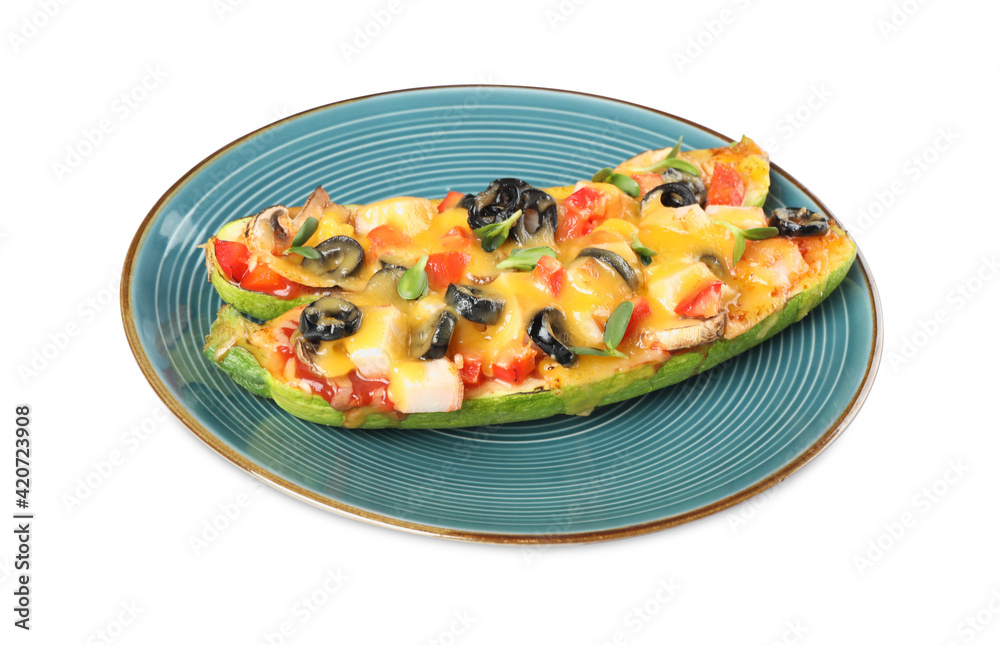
(329, 318)
(430, 339)
(270, 230)
(340, 257)
(678, 338)
(315, 203)
(615, 261)
(316, 358)
(475, 304)
(305, 351)
(799, 222)
(548, 330)
(273, 229)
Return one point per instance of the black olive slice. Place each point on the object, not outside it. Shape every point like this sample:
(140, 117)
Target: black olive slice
(467, 201)
(329, 318)
(697, 186)
(431, 337)
(548, 330)
(798, 222)
(615, 261)
(498, 202)
(539, 215)
(340, 257)
(384, 284)
(673, 195)
(504, 197)
(715, 264)
(474, 304)
(388, 261)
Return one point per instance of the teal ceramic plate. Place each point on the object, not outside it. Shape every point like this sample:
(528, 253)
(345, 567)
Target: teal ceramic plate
(637, 466)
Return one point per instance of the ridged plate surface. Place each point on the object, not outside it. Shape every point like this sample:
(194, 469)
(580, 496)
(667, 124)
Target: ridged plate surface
(628, 468)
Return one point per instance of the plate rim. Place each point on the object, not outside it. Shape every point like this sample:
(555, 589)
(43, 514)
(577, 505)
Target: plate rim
(378, 519)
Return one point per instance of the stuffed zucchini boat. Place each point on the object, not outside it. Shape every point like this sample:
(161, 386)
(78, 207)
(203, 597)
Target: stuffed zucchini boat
(516, 303)
(255, 263)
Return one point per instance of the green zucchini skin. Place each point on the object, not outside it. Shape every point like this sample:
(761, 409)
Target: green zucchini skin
(241, 365)
(258, 305)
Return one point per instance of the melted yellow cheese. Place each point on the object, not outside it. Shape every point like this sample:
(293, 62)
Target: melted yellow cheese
(693, 250)
(491, 342)
(592, 291)
(330, 227)
(411, 215)
(380, 342)
(739, 216)
(331, 360)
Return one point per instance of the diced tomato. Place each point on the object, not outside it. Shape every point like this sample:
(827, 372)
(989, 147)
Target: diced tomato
(549, 274)
(640, 310)
(263, 279)
(583, 211)
(472, 370)
(726, 187)
(461, 231)
(647, 181)
(586, 198)
(450, 201)
(384, 237)
(703, 304)
(457, 238)
(515, 366)
(232, 258)
(453, 243)
(369, 392)
(445, 268)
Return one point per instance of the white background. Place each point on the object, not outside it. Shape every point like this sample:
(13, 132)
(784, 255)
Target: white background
(862, 111)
